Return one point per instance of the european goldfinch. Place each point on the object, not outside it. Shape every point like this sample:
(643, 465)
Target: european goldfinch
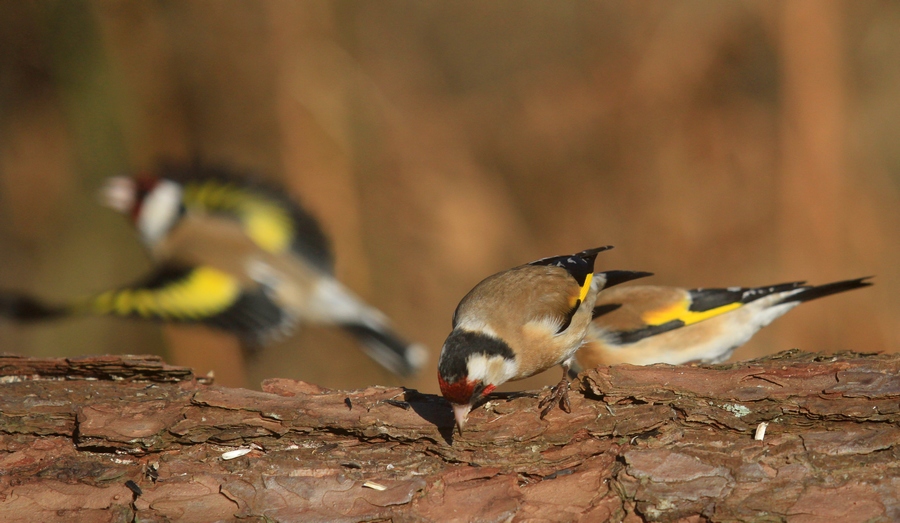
(644, 324)
(233, 254)
(518, 323)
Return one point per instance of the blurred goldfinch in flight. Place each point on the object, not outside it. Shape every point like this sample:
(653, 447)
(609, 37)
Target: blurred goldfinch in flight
(233, 254)
(645, 324)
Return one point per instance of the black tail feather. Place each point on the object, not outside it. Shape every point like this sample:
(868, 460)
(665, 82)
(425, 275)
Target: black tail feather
(617, 277)
(820, 291)
(388, 349)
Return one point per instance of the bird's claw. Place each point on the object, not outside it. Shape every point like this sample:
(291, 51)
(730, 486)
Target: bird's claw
(559, 394)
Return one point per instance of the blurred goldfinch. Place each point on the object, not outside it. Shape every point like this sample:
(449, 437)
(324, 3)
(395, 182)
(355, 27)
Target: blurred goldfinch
(644, 324)
(234, 254)
(518, 323)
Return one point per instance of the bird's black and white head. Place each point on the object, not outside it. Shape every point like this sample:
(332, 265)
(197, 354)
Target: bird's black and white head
(154, 204)
(472, 365)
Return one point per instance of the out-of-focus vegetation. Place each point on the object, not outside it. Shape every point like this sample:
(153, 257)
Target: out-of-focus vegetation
(713, 143)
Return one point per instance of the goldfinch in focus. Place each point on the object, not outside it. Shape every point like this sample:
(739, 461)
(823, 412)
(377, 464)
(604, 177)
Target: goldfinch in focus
(644, 324)
(518, 323)
(233, 254)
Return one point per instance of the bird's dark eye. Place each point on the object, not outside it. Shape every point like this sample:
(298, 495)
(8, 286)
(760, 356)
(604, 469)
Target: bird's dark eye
(146, 184)
(479, 388)
(143, 186)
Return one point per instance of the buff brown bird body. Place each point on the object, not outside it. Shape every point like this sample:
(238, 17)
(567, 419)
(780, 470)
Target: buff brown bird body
(518, 323)
(234, 254)
(644, 324)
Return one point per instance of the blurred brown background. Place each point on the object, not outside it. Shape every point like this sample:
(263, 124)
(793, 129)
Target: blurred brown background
(714, 143)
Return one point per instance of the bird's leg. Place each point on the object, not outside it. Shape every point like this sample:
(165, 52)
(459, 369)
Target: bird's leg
(558, 394)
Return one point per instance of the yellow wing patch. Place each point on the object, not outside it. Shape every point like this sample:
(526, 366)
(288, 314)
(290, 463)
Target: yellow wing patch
(204, 292)
(681, 311)
(573, 301)
(268, 224)
(586, 287)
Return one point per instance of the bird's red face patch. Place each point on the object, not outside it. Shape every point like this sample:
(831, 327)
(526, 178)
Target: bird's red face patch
(464, 391)
(459, 392)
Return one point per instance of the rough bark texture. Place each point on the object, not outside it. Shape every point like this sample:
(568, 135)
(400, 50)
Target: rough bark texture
(132, 439)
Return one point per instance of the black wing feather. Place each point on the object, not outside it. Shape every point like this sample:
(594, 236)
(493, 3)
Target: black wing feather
(625, 338)
(579, 265)
(707, 299)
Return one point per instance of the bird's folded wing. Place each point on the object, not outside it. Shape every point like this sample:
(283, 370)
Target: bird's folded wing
(268, 215)
(630, 314)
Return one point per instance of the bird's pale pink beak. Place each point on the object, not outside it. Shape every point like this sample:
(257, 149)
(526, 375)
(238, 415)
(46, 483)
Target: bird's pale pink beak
(118, 194)
(461, 413)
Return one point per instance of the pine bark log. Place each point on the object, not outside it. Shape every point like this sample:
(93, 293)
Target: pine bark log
(109, 439)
